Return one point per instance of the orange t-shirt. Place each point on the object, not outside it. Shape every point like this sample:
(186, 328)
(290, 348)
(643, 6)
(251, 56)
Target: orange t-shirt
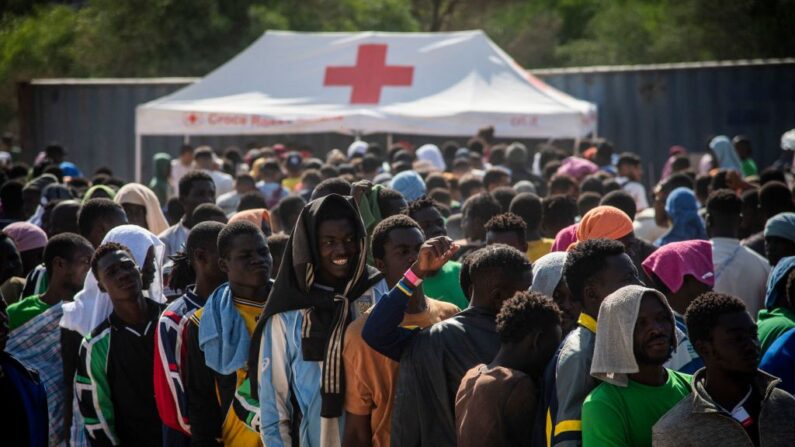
(370, 378)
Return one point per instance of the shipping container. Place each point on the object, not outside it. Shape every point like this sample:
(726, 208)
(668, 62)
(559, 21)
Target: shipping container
(642, 109)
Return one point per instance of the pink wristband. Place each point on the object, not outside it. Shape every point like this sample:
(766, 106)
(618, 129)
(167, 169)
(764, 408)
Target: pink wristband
(413, 279)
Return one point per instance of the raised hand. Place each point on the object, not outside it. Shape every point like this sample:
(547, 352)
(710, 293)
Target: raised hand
(434, 253)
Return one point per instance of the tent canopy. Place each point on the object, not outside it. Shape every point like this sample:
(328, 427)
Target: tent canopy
(415, 83)
(441, 84)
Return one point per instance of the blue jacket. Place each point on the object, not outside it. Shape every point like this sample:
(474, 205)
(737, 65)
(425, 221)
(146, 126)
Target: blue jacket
(779, 361)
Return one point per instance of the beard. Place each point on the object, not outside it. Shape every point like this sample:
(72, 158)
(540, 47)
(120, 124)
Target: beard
(642, 357)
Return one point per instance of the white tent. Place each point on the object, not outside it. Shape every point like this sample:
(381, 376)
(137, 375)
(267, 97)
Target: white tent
(442, 84)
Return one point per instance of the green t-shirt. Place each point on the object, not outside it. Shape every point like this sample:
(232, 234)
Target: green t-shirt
(773, 323)
(749, 167)
(445, 285)
(623, 416)
(24, 310)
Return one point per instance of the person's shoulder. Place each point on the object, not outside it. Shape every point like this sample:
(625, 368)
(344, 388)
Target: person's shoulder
(604, 393)
(680, 377)
(676, 417)
(99, 333)
(442, 309)
(571, 347)
(22, 304)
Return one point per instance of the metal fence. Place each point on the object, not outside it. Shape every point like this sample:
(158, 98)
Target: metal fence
(642, 109)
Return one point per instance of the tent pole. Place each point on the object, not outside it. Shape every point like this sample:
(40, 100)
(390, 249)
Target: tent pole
(186, 139)
(138, 167)
(388, 140)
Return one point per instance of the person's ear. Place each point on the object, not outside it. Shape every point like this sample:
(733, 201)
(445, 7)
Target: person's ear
(379, 264)
(58, 262)
(201, 255)
(223, 264)
(101, 287)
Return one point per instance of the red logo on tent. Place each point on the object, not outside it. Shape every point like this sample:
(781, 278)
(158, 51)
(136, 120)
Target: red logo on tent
(192, 118)
(369, 75)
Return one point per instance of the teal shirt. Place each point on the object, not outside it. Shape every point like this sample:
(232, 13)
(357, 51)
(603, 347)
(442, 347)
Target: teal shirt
(772, 324)
(445, 285)
(624, 416)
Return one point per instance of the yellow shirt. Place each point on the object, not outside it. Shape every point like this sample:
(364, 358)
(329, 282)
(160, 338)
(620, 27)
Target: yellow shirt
(536, 249)
(234, 431)
(291, 183)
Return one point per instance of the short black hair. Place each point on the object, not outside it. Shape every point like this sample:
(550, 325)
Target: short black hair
(104, 249)
(499, 259)
(724, 203)
(63, 245)
(464, 277)
(588, 201)
(370, 163)
(559, 209)
(252, 200)
(331, 186)
(467, 184)
(680, 163)
(209, 211)
(233, 230)
(772, 175)
(507, 222)
(290, 206)
(775, 198)
(202, 236)
(420, 204)
(560, 183)
(277, 243)
(96, 209)
(628, 158)
(442, 197)
(245, 179)
(493, 175)
(677, 180)
(528, 206)
(622, 200)
(592, 183)
(329, 171)
(483, 206)
(381, 232)
(185, 148)
(187, 181)
(586, 260)
(504, 195)
(385, 195)
(525, 312)
(11, 195)
(436, 180)
(702, 185)
(311, 177)
(703, 313)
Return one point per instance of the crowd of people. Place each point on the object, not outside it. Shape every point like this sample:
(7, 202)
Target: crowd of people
(478, 294)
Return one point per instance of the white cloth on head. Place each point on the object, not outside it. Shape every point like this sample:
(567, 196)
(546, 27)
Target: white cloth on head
(92, 306)
(138, 194)
(432, 154)
(614, 355)
(358, 147)
(547, 272)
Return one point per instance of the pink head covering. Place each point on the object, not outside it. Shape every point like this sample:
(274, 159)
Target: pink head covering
(577, 167)
(673, 261)
(565, 238)
(26, 236)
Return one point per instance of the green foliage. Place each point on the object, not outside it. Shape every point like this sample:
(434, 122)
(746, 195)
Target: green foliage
(127, 38)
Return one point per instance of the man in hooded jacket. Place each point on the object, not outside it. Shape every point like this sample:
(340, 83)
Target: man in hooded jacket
(323, 285)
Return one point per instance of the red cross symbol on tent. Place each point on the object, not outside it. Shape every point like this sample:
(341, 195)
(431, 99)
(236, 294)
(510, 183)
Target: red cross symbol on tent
(369, 75)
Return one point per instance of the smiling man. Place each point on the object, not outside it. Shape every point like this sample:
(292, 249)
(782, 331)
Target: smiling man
(113, 383)
(323, 284)
(636, 337)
